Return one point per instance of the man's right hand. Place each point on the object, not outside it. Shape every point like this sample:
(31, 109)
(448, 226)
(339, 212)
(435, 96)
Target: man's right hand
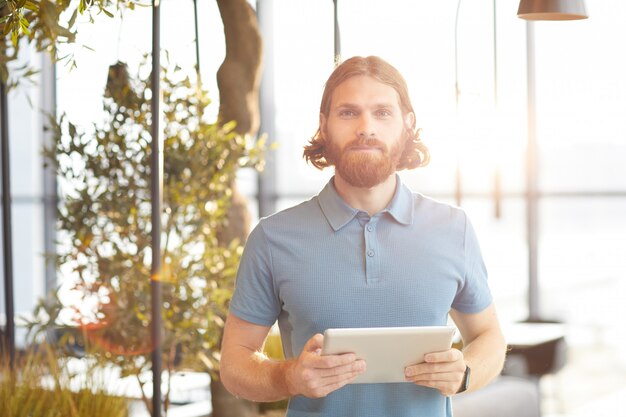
(316, 376)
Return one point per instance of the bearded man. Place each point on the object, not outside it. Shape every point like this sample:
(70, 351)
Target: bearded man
(365, 252)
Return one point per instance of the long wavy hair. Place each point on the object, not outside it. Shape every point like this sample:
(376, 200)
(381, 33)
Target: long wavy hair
(415, 153)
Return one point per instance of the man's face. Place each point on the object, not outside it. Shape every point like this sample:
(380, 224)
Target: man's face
(365, 131)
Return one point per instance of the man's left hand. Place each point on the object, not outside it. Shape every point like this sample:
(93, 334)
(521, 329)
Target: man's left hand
(443, 371)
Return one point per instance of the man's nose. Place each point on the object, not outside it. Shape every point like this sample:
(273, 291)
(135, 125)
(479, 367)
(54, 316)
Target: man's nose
(365, 128)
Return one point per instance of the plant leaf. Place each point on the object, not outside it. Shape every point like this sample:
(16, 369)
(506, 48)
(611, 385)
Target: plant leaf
(31, 6)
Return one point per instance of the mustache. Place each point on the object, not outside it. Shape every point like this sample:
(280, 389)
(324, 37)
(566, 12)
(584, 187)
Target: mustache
(369, 142)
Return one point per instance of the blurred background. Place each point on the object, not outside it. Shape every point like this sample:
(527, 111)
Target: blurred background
(482, 109)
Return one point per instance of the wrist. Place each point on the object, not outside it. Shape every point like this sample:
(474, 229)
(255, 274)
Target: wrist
(287, 371)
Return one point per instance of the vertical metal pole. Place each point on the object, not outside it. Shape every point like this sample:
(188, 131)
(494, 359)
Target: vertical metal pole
(532, 179)
(267, 179)
(157, 201)
(48, 97)
(458, 190)
(497, 185)
(7, 239)
(337, 56)
(195, 19)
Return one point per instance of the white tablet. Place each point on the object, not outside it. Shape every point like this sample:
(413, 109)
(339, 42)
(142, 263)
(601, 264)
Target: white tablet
(387, 350)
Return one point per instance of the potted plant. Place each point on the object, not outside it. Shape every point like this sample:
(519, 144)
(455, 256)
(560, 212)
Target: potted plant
(104, 225)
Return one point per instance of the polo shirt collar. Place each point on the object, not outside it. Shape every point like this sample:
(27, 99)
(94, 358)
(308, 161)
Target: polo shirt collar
(401, 205)
(339, 213)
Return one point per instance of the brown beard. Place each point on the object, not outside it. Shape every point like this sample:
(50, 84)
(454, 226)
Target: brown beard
(361, 169)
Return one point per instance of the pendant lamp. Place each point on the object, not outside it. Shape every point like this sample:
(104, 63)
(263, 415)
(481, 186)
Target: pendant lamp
(552, 10)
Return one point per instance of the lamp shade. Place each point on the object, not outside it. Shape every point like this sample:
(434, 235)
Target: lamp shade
(552, 10)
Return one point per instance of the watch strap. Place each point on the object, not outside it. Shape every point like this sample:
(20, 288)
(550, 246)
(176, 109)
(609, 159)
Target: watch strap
(466, 380)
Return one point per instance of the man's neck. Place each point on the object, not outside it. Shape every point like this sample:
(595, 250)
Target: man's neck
(371, 200)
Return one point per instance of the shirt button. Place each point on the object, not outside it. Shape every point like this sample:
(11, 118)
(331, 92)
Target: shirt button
(370, 253)
(369, 228)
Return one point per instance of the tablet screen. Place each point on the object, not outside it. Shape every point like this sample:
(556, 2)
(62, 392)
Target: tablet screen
(387, 350)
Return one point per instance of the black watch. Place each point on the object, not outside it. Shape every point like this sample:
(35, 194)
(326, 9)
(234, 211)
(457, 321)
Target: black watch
(466, 380)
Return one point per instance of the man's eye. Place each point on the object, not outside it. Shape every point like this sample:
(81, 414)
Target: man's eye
(383, 113)
(347, 113)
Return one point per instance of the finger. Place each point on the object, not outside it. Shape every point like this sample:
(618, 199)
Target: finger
(332, 361)
(450, 355)
(435, 368)
(339, 380)
(446, 388)
(323, 386)
(356, 366)
(414, 370)
(340, 377)
(439, 377)
(345, 380)
(426, 368)
(332, 384)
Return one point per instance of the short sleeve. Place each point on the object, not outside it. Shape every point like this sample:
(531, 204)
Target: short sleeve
(255, 299)
(474, 294)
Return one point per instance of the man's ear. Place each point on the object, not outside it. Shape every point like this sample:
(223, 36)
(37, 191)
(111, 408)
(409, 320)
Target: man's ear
(322, 126)
(409, 120)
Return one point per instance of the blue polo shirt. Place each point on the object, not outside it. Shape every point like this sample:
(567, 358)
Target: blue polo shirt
(324, 264)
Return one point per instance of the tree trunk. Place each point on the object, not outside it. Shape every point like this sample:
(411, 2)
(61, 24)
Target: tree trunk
(239, 76)
(238, 80)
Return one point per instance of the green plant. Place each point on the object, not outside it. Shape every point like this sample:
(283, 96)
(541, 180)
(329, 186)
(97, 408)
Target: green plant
(39, 386)
(104, 218)
(45, 24)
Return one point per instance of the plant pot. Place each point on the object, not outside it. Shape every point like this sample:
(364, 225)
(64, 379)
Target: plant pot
(227, 405)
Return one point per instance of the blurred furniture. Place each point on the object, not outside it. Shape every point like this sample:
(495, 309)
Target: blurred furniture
(536, 348)
(506, 396)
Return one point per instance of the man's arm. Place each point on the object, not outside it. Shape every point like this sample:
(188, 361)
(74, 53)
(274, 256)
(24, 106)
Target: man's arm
(484, 351)
(246, 372)
(484, 347)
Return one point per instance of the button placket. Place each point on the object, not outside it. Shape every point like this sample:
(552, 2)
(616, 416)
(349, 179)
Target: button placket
(372, 261)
